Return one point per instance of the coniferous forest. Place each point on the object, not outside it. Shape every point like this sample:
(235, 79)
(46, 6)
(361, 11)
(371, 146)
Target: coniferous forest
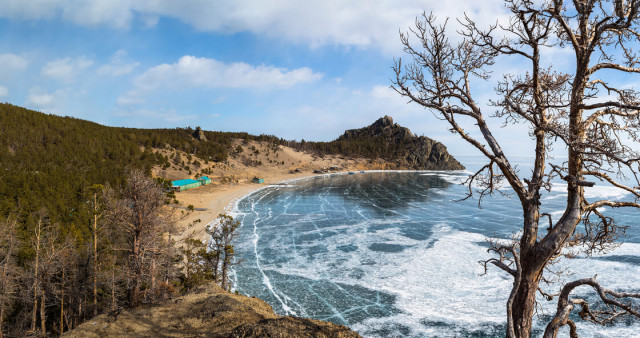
(70, 246)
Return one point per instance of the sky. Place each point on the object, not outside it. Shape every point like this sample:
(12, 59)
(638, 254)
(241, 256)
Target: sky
(290, 68)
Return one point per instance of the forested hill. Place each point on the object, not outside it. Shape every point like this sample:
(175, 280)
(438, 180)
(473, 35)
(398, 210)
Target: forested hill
(389, 141)
(48, 161)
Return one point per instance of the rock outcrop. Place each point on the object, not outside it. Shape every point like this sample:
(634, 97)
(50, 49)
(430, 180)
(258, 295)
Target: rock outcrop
(207, 312)
(199, 134)
(400, 146)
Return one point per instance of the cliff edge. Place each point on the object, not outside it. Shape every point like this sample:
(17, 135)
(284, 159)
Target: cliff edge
(207, 312)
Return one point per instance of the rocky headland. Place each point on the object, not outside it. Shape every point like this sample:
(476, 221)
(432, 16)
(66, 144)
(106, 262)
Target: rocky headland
(398, 145)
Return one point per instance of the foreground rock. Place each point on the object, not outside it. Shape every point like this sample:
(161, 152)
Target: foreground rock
(208, 312)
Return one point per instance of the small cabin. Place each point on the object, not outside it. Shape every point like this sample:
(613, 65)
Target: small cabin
(204, 180)
(182, 185)
(257, 180)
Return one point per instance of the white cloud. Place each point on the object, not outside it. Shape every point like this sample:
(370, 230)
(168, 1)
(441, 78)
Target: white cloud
(4, 92)
(113, 13)
(66, 69)
(118, 65)
(11, 65)
(43, 99)
(13, 62)
(361, 23)
(204, 72)
(40, 98)
(194, 72)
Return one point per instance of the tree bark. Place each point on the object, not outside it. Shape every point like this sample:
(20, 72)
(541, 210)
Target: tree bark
(153, 278)
(4, 279)
(62, 305)
(113, 289)
(2, 320)
(524, 304)
(134, 291)
(36, 276)
(43, 317)
(95, 255)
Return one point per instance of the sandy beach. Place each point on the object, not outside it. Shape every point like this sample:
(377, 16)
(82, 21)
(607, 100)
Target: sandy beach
(213, 200)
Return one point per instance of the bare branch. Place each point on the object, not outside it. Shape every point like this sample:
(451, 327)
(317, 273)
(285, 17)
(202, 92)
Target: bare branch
(616, 307)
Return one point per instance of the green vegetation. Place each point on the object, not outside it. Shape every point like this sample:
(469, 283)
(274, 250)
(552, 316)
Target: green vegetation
(202, 265)
(50, 161)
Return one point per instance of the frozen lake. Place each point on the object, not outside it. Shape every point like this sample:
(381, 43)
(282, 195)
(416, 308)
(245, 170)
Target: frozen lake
(391, 254)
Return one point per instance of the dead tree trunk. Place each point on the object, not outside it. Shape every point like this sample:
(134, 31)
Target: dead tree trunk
(592, 115)
(136, 270)
(95, 254)
(43, 317)
(113, 289)
(62, 303)
(36, 274)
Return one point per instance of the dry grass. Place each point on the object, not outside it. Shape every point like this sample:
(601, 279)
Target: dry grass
(207, 312)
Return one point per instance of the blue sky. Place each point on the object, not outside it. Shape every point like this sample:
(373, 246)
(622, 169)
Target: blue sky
(295, 69)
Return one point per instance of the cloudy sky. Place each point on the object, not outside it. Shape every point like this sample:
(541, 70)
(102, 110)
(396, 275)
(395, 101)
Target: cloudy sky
(295, 69)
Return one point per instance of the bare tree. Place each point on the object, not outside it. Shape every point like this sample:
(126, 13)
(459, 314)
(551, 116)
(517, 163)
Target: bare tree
(585, 112)
(36, 286)
(58, 266)
(53, 257)
(97, 214)
(137, 215)
(9, 271)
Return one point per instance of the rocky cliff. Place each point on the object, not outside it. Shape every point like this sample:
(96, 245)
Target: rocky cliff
(397, 144)
(207, 312)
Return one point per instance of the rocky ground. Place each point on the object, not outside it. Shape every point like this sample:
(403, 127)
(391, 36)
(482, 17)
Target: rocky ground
(207, 312)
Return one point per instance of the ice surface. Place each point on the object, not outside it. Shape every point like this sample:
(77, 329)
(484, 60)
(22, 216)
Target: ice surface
(390, 254)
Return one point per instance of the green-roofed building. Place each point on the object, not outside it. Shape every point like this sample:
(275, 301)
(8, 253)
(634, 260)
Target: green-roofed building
(204, 180)
(182, 185)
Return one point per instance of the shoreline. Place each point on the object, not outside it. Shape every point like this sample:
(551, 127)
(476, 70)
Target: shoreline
(223, 199)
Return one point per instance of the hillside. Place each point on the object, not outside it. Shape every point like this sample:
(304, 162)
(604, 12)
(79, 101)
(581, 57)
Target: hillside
(208, 312)
(50, 161)
(391, 142)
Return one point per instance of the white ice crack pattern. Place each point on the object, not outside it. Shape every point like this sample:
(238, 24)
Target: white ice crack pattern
(390, 254)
